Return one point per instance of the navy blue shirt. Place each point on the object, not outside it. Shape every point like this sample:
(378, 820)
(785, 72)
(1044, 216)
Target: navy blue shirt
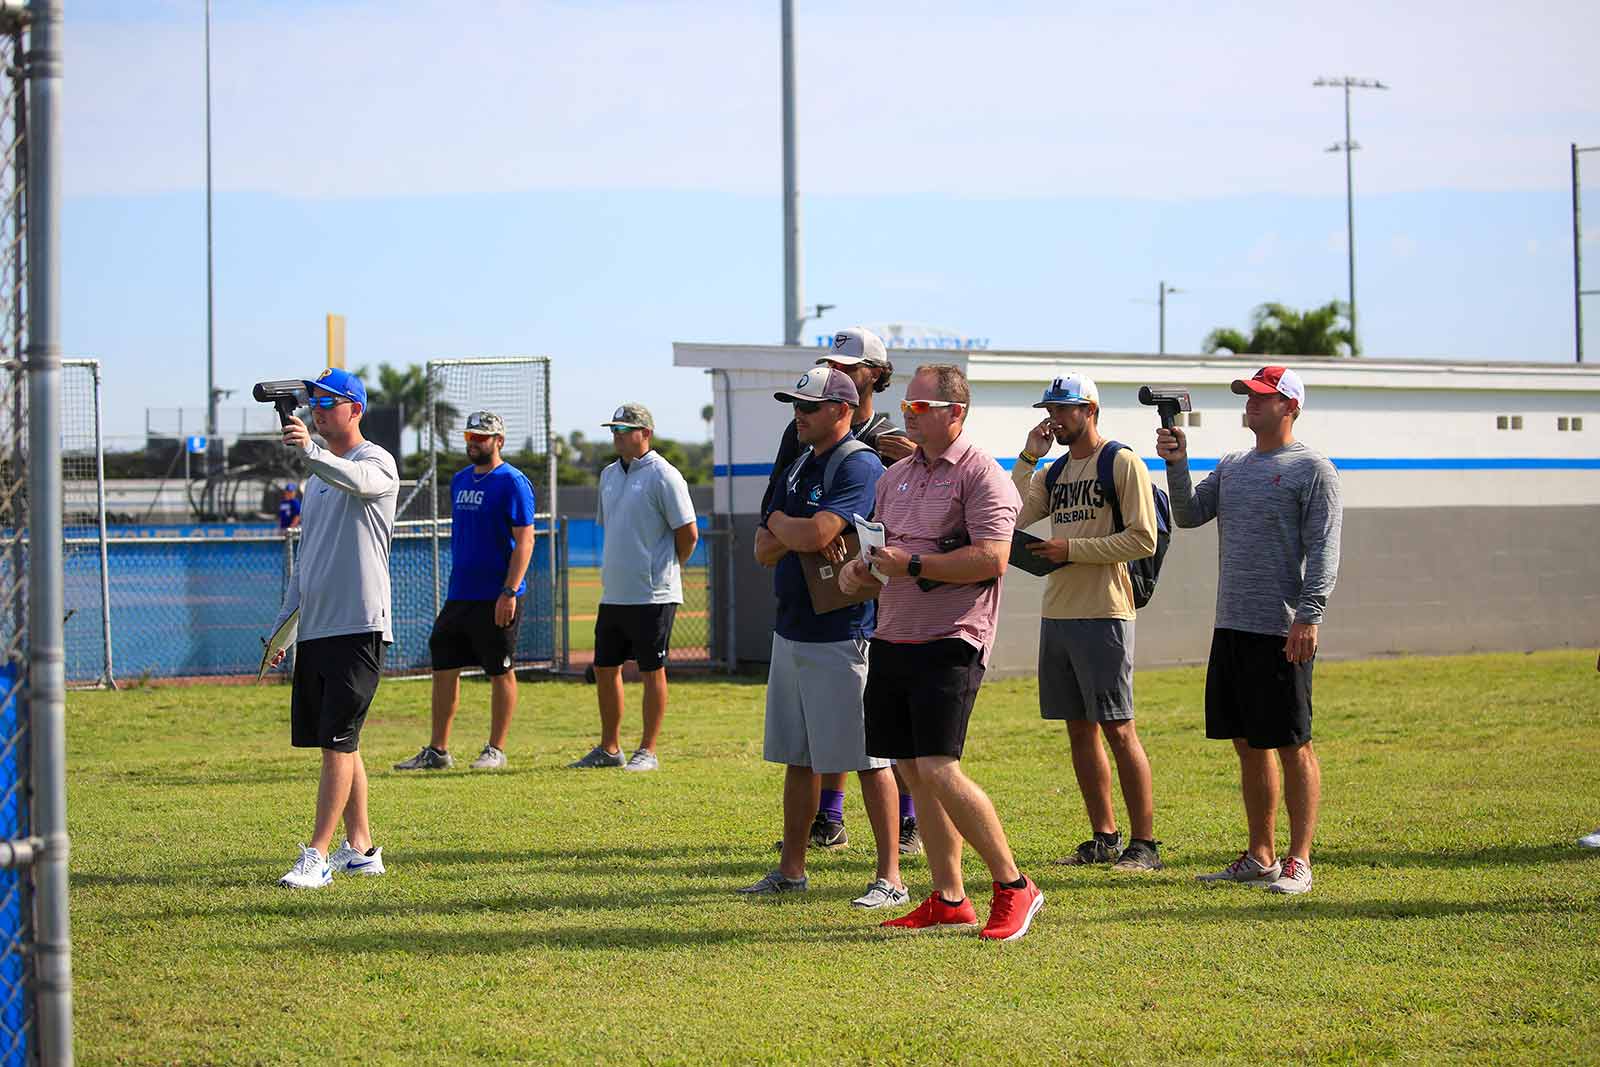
(854, 492)
(288, 510)
(483, 509)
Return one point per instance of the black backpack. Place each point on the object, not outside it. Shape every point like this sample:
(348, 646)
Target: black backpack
(1141, 572)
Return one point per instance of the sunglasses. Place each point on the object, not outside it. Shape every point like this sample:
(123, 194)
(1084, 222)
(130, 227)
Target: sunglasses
(326, 402)
(922, 407)
(807, 407)
(484, 437)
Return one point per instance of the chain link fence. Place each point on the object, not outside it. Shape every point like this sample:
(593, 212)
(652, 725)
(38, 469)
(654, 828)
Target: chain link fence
(16, 907)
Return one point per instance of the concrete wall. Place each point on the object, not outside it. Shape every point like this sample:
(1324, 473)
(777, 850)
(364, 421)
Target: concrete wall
(1411, 580)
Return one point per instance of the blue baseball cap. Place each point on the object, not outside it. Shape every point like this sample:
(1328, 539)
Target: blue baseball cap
(339, 382)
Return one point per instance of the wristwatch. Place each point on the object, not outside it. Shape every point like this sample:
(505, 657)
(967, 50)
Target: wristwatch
(914, 568)
(506, 590)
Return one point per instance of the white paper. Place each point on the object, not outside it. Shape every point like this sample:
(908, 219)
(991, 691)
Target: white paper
(279, 641)
(871, 535)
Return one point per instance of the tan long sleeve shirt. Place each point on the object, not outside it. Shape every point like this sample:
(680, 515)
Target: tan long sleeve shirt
(1094, 584)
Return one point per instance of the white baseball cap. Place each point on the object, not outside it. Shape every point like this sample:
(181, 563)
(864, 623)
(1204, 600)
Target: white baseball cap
(857, 345)
(1279, 380)
(1070, 388)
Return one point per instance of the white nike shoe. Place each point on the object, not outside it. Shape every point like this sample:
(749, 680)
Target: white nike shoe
(310, 871)
(1590, 840)
(347, 859)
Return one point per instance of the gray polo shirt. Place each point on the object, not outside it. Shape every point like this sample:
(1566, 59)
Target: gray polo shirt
(640, 506)
(341, 579)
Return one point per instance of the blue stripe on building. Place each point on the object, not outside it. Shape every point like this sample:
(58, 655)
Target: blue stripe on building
(1355, 463)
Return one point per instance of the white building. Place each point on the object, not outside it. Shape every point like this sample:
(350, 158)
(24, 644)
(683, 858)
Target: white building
(1471, 490)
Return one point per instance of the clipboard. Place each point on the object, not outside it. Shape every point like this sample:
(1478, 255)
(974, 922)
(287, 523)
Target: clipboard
(281, 639)
(1024, 560)
(822, 577)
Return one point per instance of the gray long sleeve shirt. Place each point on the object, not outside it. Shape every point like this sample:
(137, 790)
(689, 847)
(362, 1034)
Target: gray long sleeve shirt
(341, 579)
(1279, 516)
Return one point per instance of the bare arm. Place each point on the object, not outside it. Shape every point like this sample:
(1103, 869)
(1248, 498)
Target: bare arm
(769, 550)
(967, 565)
(805, 535)
(684, 538)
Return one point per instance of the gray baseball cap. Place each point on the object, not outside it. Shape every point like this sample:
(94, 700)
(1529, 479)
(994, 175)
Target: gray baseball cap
(631, 416)
(822, 383)
(857, 344)
(486, 424)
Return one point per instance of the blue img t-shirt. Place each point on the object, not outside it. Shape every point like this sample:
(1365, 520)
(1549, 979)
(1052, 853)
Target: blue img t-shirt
(483, 510)
(854, 492)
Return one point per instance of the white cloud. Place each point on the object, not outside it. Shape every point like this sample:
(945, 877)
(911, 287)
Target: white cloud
(428, 97)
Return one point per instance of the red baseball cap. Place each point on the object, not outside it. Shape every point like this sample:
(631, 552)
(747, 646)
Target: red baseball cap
(1280, 380)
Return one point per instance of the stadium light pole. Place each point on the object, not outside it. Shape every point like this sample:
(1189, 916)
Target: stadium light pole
(1347, 146)
(1578, 291)
(211, 330)
(793, 315)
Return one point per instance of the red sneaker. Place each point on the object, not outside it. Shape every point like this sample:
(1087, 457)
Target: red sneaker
(935, 914)
(1012, 911)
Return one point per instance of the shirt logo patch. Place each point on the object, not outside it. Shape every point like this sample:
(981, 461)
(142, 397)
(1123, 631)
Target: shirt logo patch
(815, 495)
(902, 487)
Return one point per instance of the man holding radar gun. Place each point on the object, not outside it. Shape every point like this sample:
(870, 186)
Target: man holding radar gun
(340, 592)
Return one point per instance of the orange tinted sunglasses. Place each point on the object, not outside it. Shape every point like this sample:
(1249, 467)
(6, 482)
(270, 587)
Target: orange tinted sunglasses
(922, 407)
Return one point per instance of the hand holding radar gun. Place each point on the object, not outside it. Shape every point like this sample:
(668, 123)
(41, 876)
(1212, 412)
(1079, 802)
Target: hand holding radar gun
(1167, 402)
(286, 395)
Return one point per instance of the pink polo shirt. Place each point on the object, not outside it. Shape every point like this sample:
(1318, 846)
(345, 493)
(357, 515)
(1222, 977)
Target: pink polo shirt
(920, 503)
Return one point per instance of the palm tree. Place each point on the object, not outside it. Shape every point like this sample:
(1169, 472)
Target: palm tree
(408, 390)
(708, 413)
(1279, 330)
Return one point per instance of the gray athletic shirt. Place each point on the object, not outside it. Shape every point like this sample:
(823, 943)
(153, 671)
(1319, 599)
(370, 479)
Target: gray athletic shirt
(1278, 516)
(341, 578)
(640, 506)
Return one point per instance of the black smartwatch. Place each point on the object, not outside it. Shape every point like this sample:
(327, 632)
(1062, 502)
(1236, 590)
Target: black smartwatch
(914, 568)
(506, 590)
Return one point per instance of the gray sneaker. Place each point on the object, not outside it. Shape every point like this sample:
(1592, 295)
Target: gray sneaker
(1140, 855)
(598, 757)
(774, 884)
(1590, 840)
(429, 759)
(642, 760)
(1244, 871)
(490, 759)
(881, 894)
(1296, 877)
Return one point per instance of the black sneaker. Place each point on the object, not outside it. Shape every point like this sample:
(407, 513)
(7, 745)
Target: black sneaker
(827, 834)
(830, 835)
(1139, 856)
(910, 837)
(1095, 850)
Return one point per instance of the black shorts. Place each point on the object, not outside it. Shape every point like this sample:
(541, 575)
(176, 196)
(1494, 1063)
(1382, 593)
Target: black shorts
(335, 679)
(640, 632)
(464, 635)
(1254, 693)
(919, 697)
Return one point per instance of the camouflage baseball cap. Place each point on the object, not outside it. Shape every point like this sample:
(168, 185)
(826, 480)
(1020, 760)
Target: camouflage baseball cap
(631, 417)
(486, 424)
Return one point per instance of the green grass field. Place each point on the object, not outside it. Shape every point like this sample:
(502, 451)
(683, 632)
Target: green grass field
(545, 915)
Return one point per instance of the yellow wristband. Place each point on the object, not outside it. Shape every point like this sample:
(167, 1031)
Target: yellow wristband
(1030, 460)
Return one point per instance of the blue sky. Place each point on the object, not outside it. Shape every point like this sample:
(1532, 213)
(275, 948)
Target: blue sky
(596, 181)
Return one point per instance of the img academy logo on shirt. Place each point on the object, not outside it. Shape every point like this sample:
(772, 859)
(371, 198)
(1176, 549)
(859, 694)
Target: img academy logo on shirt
(469, 498)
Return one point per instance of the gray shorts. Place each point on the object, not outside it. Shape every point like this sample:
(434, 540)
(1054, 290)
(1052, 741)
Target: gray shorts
(1086, 669)
(814, 710)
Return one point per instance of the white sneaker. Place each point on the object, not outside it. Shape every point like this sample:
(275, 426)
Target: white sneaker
(1243, 871)
(882, 894)
(1296, 877)
(490, 759)
(349, 860)
(1590, 840)
(310, 871)
(642, 760)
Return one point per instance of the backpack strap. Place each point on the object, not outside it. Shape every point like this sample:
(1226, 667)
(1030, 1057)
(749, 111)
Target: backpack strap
(841, 452)
(1105, 471)
(1053, 474)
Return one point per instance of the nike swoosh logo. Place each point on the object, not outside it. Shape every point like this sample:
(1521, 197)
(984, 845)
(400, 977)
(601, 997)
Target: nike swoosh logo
(358, 866)
(341, 740)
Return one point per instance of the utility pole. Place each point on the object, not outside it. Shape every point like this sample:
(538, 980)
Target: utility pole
(793, 316)
(1578, 291)
(1347, 146)
(1163, 290)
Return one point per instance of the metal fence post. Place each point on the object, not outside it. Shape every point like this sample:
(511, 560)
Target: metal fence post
(100, 501)
(47, 651)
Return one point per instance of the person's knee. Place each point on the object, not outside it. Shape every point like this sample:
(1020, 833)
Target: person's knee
(1298, 757)
(1083, 732)
(939, 772)
(1121, 735)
